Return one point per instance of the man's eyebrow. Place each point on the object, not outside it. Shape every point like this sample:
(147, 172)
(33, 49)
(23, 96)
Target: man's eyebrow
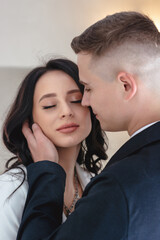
(47, 96)
(83, 82)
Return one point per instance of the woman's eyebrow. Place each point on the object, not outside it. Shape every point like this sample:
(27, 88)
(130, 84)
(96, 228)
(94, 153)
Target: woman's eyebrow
(47, 96)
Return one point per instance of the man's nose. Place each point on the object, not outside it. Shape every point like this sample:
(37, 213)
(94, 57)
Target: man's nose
(85, 100)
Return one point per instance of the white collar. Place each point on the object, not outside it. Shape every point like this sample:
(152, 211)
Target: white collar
(143, 128)
(84, 176)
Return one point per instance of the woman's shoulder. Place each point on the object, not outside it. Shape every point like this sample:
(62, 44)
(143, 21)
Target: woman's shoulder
(16, 174)
(12, 200)
(11, 180)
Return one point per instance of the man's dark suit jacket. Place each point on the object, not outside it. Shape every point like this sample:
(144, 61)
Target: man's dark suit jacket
(122, 203)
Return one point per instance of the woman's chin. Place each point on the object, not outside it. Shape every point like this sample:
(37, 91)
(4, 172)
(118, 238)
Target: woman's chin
(67, 145)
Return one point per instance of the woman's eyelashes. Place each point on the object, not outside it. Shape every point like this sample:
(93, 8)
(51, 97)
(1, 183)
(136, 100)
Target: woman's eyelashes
(77, 101)
(53, 106)
(47, 107)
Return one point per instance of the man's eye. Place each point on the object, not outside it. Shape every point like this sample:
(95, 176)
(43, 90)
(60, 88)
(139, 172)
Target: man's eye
(87, 89)
(47, 107)
(77, 101)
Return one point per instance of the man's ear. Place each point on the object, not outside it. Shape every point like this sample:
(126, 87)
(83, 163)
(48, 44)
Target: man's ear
(128, 83)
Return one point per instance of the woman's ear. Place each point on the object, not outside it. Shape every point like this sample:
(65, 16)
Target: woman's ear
(128, 83)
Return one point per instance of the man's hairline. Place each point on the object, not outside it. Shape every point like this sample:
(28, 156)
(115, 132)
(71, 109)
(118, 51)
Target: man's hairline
(95, 58)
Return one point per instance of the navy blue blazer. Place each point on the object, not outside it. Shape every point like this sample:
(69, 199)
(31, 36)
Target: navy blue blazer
(122, 203)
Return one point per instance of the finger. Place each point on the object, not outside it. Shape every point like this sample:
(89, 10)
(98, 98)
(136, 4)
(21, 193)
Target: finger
(38, 134)
(28, 133)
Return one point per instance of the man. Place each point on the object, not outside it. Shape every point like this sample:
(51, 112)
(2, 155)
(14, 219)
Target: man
(119, 65)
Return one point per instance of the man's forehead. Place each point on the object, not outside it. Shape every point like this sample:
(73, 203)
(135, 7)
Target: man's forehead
(84, 73)
(84, 59)
(88, 66)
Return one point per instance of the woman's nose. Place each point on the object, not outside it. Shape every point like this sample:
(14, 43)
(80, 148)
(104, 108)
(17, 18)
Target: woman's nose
(66, 111)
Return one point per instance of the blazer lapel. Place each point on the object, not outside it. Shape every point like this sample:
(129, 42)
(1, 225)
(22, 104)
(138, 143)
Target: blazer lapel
(147, 136)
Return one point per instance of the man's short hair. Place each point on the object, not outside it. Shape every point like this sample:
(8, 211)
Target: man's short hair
(114, 30)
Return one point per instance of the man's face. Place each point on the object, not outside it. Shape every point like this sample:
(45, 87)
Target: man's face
(103, 95)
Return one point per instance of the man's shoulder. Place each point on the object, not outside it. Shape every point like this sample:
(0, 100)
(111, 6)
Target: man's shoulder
(136, 170)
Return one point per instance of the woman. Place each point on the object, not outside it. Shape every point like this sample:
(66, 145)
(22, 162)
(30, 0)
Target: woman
(49, 96)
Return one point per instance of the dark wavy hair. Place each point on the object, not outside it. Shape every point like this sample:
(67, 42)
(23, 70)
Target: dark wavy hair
(94, 147)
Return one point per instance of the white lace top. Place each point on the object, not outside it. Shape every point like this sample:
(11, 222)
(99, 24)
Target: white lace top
(11, 207)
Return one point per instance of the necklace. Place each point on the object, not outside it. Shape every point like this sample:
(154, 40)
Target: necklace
(75, 199)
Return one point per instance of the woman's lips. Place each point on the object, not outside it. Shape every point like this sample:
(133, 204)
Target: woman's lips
(68, 128)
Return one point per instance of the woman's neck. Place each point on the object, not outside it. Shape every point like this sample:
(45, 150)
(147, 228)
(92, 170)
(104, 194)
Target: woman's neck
(67, 160)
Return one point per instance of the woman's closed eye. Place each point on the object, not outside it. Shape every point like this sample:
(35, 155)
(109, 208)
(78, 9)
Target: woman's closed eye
(50, 106)
(54, 105)
(77, 101)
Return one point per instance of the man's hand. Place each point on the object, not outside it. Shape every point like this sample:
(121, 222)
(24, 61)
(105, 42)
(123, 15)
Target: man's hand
(39, 145)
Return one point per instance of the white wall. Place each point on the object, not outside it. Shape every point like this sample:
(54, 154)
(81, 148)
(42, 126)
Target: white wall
(32, 31)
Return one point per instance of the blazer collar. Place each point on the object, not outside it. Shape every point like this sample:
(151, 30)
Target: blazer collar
(146, 137)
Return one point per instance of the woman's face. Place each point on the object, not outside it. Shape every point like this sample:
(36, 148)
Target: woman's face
(58, 111)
